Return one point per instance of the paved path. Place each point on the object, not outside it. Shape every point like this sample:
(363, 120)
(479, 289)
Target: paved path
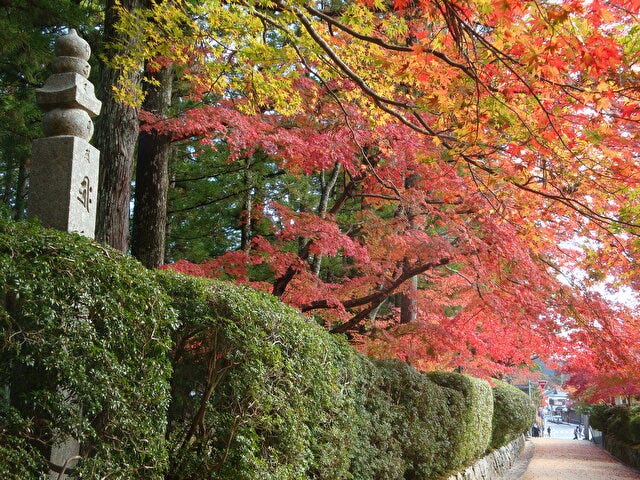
(566, 459)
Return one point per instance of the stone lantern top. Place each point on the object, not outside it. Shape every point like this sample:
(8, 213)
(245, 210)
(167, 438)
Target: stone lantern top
(67, 96)
(71, 45)
(65, 166)
(72, 53)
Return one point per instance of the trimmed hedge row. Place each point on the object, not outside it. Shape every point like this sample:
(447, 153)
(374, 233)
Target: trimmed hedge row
(474, 434)
(620, 421)
(512, 414)
(182, 378)
(82, 322)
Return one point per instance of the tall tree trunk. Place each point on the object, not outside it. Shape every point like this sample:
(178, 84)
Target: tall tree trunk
(408, 302)
(7, 187)
(245, 232)
(21, 189)
(327, 187)
(116, 136)
(152, 178)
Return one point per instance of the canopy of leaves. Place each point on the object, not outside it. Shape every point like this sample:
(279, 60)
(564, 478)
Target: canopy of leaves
(418, 175)
(464, 156)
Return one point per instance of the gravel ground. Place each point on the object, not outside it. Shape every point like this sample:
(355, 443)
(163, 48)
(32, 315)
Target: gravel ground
(567, 459)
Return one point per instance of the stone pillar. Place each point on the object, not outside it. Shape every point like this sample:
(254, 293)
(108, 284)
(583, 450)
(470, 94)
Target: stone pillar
(63, 183)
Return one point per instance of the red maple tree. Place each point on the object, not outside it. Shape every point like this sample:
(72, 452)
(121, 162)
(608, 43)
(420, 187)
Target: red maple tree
(479, 151)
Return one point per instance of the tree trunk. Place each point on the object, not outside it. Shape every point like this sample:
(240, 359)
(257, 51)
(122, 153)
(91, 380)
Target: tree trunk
(327, 190)
(8, 180)
(152, 179)
(246, 220)
(20, 189)
(116, 136)
(408, 302)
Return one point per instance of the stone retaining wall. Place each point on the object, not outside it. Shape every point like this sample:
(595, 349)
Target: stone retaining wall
(493, 465)
(627, 454)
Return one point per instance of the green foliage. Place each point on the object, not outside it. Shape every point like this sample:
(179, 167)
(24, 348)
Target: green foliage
(425, 419)
(599, 415)
(621, 421)
(85, 336)
(473, 437)
(207, 198)
(259, 392)
(18, 460)
(513, 413)
(250, 389)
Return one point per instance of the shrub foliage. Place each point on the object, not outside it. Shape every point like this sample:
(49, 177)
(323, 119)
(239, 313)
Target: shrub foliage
(513, 413)
(85, 337)
(620, 421)
(472, 439)
(161, 375)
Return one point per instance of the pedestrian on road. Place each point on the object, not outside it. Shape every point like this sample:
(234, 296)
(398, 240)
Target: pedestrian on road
(548, 431)
(576, 431)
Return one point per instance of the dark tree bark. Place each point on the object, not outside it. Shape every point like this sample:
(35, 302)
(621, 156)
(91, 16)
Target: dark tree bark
(7, 180)
(152, 179)
(116, 136)
(246, 220)
(327, 188)
(21, 184)
(408, 302)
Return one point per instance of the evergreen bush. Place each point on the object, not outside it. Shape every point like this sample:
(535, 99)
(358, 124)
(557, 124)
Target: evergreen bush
(275, 396)
(83, 354)
(472, 438)
(599, 416)
(165, 376)
(426, 419)
(620, 421)
(513, 413)
(258, 392)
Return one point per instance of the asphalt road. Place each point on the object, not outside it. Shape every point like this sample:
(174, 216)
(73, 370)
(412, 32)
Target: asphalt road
(559, 430)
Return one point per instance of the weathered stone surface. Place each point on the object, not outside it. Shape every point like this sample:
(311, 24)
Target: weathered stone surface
(71, 64)
(71, 45)
(65, 455)
(68, 121)
(68, 90)
(493, 465)
(63, 184)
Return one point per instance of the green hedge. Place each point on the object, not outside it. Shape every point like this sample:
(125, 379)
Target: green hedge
(473, 438)
(513, 413)
(621, 421)
(265, 389)
(426, 420)
(90, 323)
(182, 378)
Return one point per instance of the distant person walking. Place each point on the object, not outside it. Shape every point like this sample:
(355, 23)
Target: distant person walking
(576, 432)
(549, 432)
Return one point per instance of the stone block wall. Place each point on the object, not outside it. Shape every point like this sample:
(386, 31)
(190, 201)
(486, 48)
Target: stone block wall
(493, 465)
(627, 454)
